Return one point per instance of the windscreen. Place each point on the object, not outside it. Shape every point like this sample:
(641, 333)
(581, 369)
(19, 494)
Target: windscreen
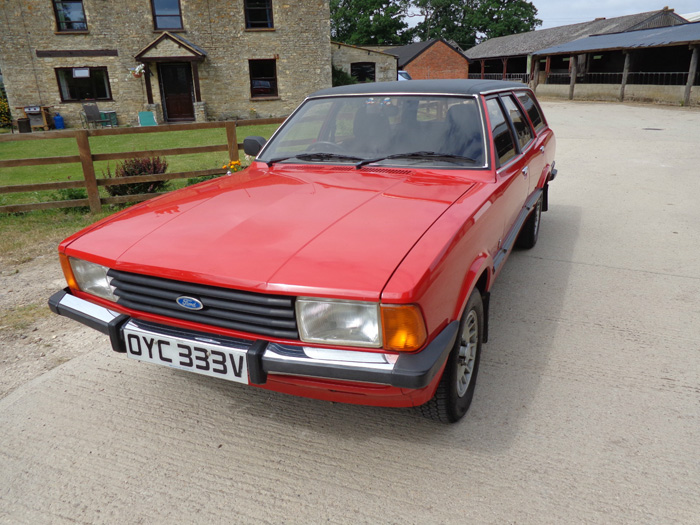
(375, 127)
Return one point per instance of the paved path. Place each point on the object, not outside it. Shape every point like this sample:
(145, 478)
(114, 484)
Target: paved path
(587, 408)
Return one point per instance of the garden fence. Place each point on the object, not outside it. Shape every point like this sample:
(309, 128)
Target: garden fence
(87, 159)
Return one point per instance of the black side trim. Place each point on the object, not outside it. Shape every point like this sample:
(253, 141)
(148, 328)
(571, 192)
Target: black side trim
(515, 230)
(418, 370)
(256, 373)
(486, 300)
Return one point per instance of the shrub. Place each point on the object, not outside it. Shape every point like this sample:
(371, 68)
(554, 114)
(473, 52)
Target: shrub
(341, 78)
(132, 168)
(5, 115)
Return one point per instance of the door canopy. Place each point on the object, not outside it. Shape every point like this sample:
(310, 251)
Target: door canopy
(171, 48)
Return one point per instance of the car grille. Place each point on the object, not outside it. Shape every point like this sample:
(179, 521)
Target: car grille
(263, 314)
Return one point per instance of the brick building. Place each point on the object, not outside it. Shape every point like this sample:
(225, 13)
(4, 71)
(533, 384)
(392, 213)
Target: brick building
(211, 60)
(366, 65)
(435, 58)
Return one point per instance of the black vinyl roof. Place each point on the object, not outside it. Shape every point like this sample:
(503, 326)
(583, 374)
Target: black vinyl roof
(441, 87)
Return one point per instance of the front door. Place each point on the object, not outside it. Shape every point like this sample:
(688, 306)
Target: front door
(176, 88)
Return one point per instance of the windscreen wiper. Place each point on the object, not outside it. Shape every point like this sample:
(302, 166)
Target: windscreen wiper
(418, 155)
(312, 157)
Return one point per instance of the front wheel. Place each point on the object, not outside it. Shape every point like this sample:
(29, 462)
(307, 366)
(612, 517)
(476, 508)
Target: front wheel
(456, 389)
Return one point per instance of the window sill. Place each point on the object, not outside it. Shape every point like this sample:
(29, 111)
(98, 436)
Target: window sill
(71, 32)
(259, 29)
(253, 99)
(170, 30)
(87, 101)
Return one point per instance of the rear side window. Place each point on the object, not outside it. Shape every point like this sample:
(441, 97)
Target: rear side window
(532, 110)
(520, 123)
(502, 137)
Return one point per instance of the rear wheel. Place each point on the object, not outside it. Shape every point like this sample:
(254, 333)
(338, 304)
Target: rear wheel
(527, 238)
(456, 389)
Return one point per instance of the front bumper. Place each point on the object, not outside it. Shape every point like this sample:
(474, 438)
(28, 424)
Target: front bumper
(412, 371)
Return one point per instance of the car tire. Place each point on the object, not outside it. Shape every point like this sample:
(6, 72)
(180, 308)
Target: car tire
(456, 389)
(527, 238)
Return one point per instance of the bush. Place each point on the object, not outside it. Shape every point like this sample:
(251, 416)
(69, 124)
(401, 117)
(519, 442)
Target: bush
(341, 78)
(132, 168)
(5, 115)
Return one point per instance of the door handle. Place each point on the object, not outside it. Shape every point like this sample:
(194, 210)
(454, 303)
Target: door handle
(525, 171)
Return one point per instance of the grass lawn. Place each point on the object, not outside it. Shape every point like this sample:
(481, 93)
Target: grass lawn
(23, 236)
(112, 144)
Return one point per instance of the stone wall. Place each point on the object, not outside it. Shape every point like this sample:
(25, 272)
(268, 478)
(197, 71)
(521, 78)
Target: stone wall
(438, 61)
(611, 92)
(300, 43)
(344, 55)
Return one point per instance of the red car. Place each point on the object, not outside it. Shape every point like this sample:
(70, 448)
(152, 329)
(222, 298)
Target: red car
(352, 261)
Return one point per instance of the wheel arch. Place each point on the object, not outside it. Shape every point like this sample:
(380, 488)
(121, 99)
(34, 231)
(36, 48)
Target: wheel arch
(478, 277)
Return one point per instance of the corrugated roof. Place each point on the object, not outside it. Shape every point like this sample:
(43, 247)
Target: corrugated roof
(527, 43)
(657, 37)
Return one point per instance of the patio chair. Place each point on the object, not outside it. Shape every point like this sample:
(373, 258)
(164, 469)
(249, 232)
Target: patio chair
(146, 118)
(91, 116)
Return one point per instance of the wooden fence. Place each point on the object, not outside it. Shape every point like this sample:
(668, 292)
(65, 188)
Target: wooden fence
(87, 159)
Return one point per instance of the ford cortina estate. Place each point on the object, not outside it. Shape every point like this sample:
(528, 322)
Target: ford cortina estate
(351, 261)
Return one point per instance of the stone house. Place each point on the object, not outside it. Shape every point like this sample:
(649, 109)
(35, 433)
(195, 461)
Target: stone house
(434, 58)
(366, 65)
(182, 59)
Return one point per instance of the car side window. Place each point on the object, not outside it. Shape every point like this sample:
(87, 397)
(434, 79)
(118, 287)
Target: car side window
(532, 110)
(502, 136)
(520, 123)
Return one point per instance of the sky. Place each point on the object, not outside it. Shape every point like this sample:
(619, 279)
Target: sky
(563, 12)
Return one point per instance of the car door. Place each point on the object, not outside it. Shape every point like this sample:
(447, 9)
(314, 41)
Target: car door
(539, 163)
(511, 171)
(533, 161)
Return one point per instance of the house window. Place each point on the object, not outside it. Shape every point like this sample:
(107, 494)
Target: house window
(70, 15)
(77, 84)
(166, 14)
(258, 14)
(263, 78)
(363, 71)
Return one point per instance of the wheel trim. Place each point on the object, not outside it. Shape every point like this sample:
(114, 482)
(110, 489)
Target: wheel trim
(467, 353)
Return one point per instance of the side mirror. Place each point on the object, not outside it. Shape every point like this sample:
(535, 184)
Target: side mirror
(253, 145)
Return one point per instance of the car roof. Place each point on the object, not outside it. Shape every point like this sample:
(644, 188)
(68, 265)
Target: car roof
(442, 87)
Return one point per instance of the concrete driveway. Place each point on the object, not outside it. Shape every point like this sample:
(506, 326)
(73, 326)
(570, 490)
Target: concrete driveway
(586, 411)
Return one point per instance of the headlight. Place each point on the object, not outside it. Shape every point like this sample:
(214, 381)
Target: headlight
(339, 322)
(400, 328)
(92, 278)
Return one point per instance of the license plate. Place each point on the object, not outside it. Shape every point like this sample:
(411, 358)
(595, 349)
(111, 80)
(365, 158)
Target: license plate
(209, 359)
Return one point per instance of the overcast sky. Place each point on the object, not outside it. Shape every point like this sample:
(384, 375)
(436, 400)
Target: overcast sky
(562, 12)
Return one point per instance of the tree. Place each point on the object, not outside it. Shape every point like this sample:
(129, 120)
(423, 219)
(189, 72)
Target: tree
(470, 21)
(496, 18)
(369, 22)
